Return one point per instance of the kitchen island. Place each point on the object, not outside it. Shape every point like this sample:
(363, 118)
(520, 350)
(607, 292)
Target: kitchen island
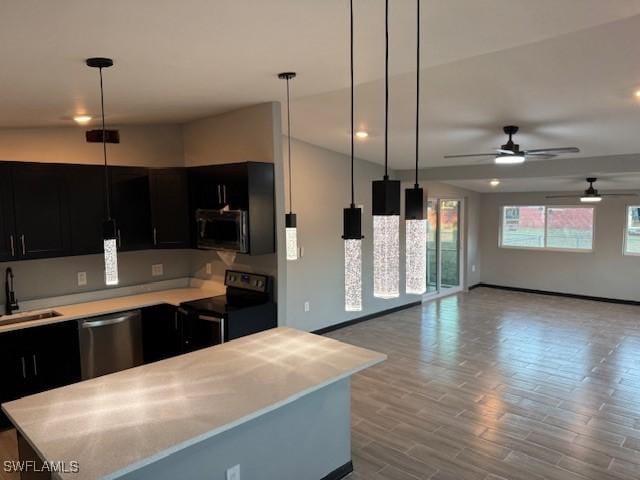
(277, 403)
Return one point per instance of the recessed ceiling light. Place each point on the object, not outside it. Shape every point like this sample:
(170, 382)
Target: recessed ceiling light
(82, 119)
(362, 134)
(495, 182)
(637, 93)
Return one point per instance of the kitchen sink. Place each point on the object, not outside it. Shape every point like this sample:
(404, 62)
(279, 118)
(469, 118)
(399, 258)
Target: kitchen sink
(28, 317)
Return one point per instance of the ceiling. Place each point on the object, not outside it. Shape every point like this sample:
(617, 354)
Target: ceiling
(564, 70)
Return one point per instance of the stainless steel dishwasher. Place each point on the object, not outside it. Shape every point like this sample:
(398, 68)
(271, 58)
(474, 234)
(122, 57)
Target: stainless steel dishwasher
(110, 343)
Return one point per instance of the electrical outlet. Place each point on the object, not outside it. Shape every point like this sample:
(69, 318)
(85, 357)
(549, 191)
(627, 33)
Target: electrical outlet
(157, 270)
(473, 268)
(233, 473)
(82, 278)
(208, 268)
(307, 307)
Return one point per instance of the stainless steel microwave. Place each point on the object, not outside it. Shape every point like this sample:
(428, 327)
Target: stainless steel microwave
(223, 230)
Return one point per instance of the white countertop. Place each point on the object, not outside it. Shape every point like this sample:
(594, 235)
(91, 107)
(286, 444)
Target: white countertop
(118, 304)
(120, 422)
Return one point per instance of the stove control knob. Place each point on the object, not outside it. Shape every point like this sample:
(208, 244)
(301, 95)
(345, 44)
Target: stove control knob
(232, 278)
(259, 283)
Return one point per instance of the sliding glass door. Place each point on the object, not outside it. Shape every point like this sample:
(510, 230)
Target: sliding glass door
(444, 264)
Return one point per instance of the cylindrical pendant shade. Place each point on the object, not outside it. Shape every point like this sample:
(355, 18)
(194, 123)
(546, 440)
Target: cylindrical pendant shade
(416, 256)
(353, 275)
(386, 256)
(110, 261)
(291, 230)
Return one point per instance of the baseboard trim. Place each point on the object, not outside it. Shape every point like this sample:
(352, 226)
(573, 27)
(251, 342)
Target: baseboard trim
(473, 287)
(559, 294)
(364, 318)
(340, 472)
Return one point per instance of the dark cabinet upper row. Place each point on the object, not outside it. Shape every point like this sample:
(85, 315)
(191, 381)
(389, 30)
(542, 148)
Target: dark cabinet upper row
(54, 210)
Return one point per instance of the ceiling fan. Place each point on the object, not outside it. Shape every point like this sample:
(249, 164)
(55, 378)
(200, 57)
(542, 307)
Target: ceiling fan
(591, 195)
(510, 152)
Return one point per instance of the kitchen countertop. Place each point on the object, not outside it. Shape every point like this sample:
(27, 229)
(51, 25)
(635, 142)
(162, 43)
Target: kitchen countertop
(94, 308)
(115, 424)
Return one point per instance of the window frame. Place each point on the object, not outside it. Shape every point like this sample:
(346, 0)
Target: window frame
(545, 248)
(625, 232)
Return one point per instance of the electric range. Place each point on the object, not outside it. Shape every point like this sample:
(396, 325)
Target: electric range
(247, 307)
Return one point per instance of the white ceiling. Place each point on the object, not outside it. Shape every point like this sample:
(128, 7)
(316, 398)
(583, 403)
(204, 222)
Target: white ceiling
(564, 70)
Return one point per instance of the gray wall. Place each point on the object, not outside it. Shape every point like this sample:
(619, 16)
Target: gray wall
(320, 192)
(604, 272)
(304, 440)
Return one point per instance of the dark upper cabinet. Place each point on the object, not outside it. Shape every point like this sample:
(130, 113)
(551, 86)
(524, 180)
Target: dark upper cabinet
(169, 196)
(245, 186)
(131, 207)
(7, 225)
(41, 210)
(86, 187)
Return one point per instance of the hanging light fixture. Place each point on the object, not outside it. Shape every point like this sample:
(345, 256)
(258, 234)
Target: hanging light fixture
(352, 221)
(415, 223)
(109, 225)
(290, 218)
(386, 208)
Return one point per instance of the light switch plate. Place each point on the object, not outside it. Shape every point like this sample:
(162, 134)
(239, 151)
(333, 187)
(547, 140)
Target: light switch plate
(157, 270)
(82, 279)
(233, 473)
(307, 307)
(208, 268)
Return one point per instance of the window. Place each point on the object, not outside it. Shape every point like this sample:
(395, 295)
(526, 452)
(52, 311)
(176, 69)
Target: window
(632, 233)
(549, 227)
(523, 227)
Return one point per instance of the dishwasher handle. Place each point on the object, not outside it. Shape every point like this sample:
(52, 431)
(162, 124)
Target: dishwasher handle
(102, 322)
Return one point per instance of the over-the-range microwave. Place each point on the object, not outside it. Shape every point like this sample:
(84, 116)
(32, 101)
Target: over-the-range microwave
(223, 230)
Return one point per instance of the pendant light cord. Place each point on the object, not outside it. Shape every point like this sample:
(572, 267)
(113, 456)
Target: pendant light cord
(289, 142)
(353, 201)
(104, 151)
(386, 89)
(417, 91)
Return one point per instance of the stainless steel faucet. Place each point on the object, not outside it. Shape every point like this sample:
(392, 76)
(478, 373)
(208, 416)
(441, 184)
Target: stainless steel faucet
(10, 303)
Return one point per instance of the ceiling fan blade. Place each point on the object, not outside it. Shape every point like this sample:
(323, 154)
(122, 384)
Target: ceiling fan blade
(562, 196)
(502, 150)
(553, 150)
(618, 194)
(471, 155)
(540, 156)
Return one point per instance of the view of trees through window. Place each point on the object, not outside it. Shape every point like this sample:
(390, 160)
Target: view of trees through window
(550, 227)
(632, 240)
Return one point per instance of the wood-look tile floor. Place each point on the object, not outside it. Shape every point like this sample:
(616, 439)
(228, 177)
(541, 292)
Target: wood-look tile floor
(493, 385)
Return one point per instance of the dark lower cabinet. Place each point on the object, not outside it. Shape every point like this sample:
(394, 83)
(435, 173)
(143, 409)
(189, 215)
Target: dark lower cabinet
(41, 210)
(169, 193)
(161, 333)
(36, 359)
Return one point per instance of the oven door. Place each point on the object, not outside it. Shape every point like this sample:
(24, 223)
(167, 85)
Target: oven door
(223, 230)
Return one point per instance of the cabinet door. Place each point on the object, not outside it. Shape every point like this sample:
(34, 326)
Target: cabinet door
(169, 208)
(54, 356)
(131, 207)
(161, 333)
(12, 370)
(234, 180)
(7, 226)
(41, 210)
(86, 184)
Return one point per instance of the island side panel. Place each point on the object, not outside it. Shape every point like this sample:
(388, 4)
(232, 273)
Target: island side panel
(308, 439)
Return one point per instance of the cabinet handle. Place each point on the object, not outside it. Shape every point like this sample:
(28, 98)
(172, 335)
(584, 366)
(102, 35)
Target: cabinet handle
(219, 195)
(119, 239)
(224, 194)
(35, 365)
(13, 246)
(24, 367)
(155, 236)
(24, 248)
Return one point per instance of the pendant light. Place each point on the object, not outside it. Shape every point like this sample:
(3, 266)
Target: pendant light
(352, 221)
(109, 225)
(290, 218)
(415, 223)
(386, 208)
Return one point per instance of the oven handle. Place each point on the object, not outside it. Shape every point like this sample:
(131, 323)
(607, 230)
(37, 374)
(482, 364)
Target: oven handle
(218, 320)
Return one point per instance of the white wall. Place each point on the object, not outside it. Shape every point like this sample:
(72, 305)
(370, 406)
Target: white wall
(604, 272)
(321, 190)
